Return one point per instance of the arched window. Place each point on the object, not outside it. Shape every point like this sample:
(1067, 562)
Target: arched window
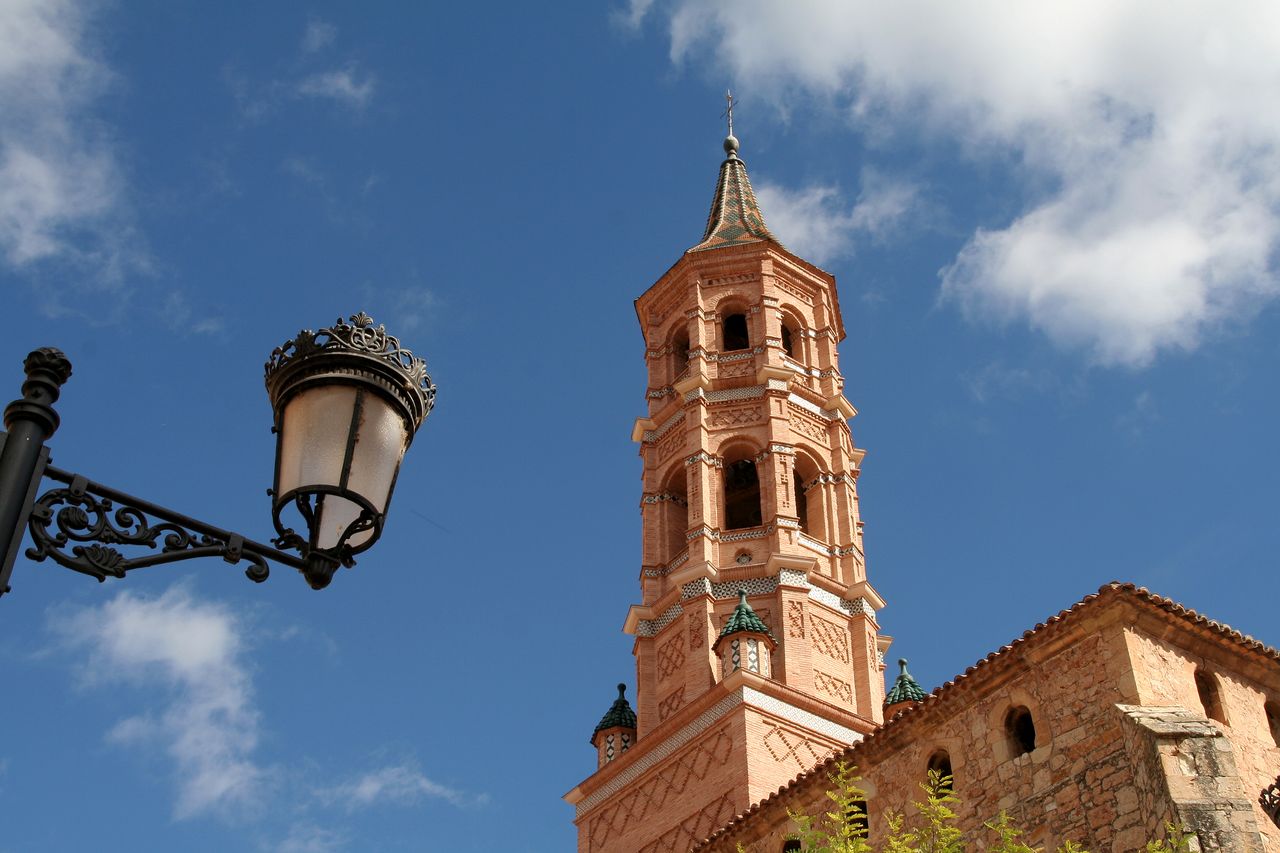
(1207, 687)
(679, 353)
(735, 333)
(741, 495)
(857, 818)
(788, 341)
(1273, 721)
(809, 495)
(802, 504)
(940, 763)
(1020, 729)
(674, 508)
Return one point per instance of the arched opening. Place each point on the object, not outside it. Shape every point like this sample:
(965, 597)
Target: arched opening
(809, 496)
(857, 818)
(1273, 721)
(1020, 730)
(679, 353)
(788, 341)
(735, 333)
(741, 495)
(674, 509)
(802, 504)
(1207, 688)
(940, 765)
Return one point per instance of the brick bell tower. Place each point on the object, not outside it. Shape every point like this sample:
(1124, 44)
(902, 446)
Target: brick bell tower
(757, 648)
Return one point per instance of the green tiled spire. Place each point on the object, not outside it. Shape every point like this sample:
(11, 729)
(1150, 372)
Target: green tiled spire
(744, 618)
(619, 714)
(735, 216)
(905, 689)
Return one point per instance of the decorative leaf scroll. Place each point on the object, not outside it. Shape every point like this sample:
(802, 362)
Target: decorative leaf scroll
(76, 527)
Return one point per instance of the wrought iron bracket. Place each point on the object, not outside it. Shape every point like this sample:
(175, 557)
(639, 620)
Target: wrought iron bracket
(80, 524)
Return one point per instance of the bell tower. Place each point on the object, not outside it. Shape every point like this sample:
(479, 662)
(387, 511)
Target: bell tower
(757, 648)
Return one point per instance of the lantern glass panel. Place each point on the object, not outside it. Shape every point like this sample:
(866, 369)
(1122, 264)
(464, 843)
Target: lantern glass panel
(313, 437)
(336, 514)
(381, 440)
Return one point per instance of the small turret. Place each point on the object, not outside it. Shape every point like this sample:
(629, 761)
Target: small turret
(616, 731)
(745, 642)
(904, 694)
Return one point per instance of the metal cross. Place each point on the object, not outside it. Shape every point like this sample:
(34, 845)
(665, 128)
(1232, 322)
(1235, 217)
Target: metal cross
(728, 113)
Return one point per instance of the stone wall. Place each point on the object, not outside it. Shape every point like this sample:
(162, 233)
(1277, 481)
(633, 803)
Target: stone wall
(1122, 744)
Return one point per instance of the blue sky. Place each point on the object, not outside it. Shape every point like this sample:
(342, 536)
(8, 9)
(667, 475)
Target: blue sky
(1054, 229)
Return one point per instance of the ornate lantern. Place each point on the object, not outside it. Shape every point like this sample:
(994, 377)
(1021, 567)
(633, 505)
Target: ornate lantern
(347, 401)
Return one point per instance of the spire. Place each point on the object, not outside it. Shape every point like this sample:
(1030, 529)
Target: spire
(905, 689)
(619, 714)
(735, 216)
(744, 618)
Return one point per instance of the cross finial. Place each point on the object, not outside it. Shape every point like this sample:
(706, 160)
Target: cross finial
(730, 141)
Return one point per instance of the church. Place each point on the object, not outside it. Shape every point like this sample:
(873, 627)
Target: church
(760, 659)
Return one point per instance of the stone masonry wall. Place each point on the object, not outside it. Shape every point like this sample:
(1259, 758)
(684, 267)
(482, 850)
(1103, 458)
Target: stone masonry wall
(1184, 773)
(1165, 669)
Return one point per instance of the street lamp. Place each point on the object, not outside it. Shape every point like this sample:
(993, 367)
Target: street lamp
(347, 401)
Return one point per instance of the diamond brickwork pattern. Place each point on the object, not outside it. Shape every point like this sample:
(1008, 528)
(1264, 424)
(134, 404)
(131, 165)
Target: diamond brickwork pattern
(671, 703)
(789, 745)
(695, 827)
(671, 656)
(834, 687)
(666, 786)
(795, 619)
(829, 638)
(735, 417)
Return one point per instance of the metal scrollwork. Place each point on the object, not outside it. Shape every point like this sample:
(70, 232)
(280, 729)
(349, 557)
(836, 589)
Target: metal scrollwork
(1270, 801)
(80, 528)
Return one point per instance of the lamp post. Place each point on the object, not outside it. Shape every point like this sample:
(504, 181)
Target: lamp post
(347, 401)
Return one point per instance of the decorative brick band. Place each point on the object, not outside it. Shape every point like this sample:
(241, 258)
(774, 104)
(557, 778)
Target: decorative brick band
(853, 606)
(703, 456)
(721, 395)
(663, 571)
(651, 627)
(706, 720)
(797, 400)
(651, 435)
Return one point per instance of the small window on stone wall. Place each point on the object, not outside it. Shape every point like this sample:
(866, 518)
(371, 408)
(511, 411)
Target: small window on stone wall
(1273, 721)
(940, 763)
(735, 333)
(1207, 687)
(1021, 731)
(857, 818)
(791, 844)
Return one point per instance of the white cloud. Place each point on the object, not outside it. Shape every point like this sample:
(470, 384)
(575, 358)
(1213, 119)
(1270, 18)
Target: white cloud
(1144, 132)
(207, 723)
(308, 838)
(813, 223)
(62, 195)
(398, 784)
(318, 35)
(345, 85)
